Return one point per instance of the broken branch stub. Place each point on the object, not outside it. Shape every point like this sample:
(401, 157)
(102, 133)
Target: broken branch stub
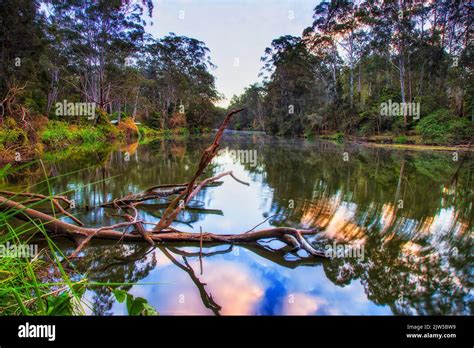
(206, 158)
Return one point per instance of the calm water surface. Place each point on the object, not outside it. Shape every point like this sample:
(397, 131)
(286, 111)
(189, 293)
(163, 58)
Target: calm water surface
(408, 215)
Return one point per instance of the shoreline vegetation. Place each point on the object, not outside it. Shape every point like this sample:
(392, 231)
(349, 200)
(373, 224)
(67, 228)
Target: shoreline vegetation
(50, 137)
(57, 139)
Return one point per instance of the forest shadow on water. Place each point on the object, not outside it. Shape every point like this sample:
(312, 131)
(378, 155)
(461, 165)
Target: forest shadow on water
(398, 225)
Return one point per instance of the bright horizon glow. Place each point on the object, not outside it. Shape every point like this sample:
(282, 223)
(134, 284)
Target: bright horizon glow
(236, 31)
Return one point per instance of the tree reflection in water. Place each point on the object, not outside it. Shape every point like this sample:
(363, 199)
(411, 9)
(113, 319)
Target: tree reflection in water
(412, 212)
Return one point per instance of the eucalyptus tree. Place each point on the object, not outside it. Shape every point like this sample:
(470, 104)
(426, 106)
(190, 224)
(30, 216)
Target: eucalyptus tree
(253, 100)
(96, 37)
(177, 69)
(289, 83)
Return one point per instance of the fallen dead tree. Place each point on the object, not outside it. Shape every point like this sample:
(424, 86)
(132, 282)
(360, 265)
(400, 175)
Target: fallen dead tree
(162, 232)
(291, 236)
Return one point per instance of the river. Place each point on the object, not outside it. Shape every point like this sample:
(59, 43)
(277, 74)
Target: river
(405, 217)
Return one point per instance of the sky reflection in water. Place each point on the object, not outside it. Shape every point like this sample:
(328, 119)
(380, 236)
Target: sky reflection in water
(417, 255)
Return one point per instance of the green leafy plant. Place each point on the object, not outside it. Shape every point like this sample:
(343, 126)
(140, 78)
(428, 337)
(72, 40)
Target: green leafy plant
(441, 127)
(135, 305)
(400, 139)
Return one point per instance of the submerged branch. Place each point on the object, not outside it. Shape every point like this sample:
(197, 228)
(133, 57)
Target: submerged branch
(57, 226)
(162, 232)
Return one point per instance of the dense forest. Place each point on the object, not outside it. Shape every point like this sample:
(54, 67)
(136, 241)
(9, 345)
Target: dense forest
(58, 53)
(80, 58)
(357, 56)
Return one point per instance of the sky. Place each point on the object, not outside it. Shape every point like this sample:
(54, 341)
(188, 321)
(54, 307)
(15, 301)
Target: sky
(236, 32)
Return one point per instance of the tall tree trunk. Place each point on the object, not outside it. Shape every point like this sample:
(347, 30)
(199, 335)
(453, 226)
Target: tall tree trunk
(53, 92)
(359, 79)
(135, 105)
(401, 69)
(119, 110)
(351, 66)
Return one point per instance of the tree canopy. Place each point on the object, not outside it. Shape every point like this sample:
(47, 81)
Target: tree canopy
(356, 56)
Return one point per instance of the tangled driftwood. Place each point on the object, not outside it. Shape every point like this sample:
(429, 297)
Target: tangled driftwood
(162, 231)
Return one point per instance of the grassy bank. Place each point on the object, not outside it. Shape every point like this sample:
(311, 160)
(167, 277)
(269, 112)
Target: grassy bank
(437, 131)
(46, 137)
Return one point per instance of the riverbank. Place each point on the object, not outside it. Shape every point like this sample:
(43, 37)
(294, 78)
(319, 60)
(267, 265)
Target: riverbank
(45, 137)
(420, 147)
(52, 139)
(407, 142)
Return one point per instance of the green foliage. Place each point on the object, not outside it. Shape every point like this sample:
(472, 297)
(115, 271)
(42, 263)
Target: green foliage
(340, 69)
(183, 132)
(135, 305)
(60, 134)
(101, 117)
(441, 127)
(155, 120)
(367, 128)
(57, 133)
(149, 133)
(22, 289)
(110, 131)
(461, 130)
(27, 285)
(91, 134)
(62, 304)
(338, 136)
(11, 134)
(178, 80)
(402, 139)
(22, 35)
(252, 118)
(349, 62)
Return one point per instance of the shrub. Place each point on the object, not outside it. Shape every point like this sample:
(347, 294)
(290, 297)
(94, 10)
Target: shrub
(167, 133)
(110, 131)
(181, 131)
(441, 127)
(11, 134)
(461, 130)
(128, 127)
(58, 133)
(90, 134)
(147, 132)
(400, 140)
(101, 117)
(154, 121)
(337, 136)
(177, 120)
(195, 130)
